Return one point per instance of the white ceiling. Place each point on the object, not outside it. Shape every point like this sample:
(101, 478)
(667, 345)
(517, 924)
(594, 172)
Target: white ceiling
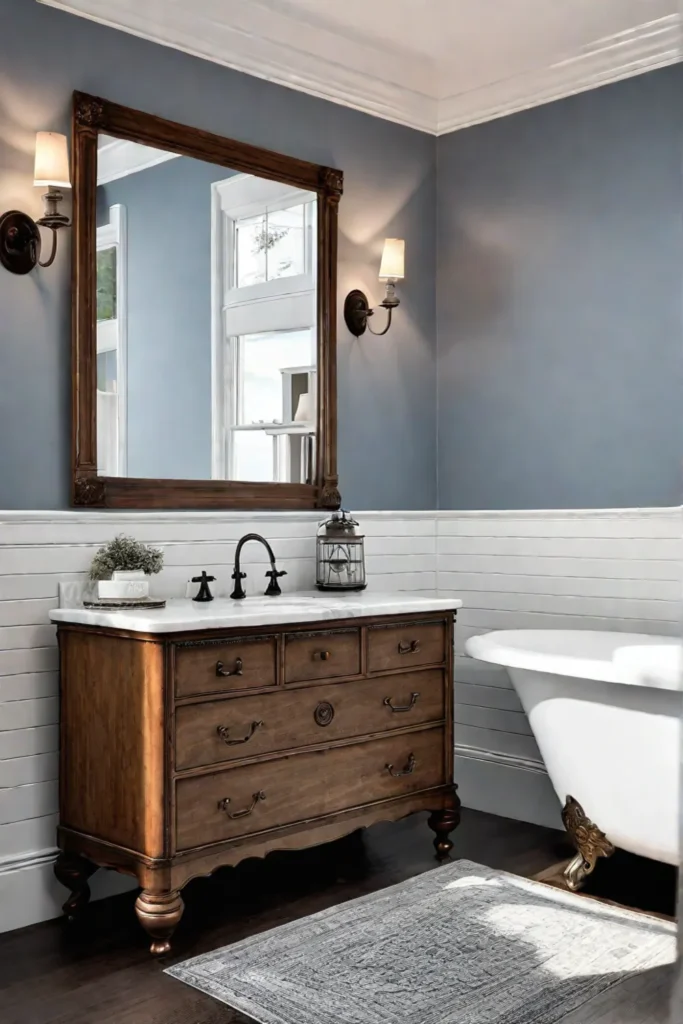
(437, 65)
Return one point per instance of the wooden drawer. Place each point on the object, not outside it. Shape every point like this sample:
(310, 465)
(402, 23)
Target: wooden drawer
(233, 665)
(322, 655)
(303, 786)
(406, 645)
(225, 730)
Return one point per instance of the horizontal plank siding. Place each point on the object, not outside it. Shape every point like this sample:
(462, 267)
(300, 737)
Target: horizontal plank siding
(23, 771)
(40, 551)
(597, 570)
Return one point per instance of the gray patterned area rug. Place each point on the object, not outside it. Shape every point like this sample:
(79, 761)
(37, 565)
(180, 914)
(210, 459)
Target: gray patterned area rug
(462, 944)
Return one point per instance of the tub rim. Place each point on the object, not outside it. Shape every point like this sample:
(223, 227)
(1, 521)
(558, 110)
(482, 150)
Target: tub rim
(636, 665)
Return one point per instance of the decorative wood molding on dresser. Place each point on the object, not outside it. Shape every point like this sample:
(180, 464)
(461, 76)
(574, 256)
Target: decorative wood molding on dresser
(184, 752)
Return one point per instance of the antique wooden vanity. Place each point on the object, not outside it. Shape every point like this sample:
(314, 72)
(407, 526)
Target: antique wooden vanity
(187, 744)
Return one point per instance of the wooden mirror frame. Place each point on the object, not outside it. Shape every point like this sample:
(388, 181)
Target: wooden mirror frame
(92, 116)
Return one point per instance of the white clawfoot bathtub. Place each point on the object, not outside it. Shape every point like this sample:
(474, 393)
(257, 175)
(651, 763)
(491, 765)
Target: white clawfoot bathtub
(605, 710)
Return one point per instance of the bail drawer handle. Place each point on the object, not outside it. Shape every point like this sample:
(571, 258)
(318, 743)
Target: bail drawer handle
(221, 670)
(414, 697)
(223, 806)
(223, 732)
(411, 647)
(408, 770)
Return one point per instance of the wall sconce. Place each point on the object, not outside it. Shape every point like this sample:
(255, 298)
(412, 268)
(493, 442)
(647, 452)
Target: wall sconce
(20, 238)
(357, 311)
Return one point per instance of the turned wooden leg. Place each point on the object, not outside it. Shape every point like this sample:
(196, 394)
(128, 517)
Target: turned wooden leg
(73, 872)
(159, 914)
(442, 823)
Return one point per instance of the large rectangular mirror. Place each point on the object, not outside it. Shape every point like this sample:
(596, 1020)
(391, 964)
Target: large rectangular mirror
(204, 326)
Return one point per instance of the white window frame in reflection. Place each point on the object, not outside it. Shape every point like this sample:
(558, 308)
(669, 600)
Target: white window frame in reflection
(112, 336)
(280, 305)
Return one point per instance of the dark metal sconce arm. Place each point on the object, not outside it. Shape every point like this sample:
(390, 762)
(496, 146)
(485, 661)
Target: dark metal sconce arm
(48, 262)
(378, 334)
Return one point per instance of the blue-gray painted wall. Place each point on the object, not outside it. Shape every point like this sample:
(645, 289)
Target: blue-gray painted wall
(386, 385)
(560, 247)
(168, 215)
(560, 334)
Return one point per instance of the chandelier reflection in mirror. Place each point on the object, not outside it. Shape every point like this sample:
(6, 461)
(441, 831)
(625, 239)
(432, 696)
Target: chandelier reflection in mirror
(340, 557)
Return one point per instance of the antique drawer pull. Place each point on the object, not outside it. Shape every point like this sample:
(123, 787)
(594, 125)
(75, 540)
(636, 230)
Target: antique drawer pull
(324, 713)
(223, 806)
(224, 734)
(414, 697)
(322, 655)
(222, 671)
(409, 648)
(408, 770)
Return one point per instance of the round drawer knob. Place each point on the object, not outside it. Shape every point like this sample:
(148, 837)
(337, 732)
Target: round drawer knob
(324, 713)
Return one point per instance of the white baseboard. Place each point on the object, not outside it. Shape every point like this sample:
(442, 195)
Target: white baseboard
(511, 787)
(30, 893)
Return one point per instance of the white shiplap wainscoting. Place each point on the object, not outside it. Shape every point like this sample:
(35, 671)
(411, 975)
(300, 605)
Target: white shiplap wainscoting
(615, 569)
(40, 550)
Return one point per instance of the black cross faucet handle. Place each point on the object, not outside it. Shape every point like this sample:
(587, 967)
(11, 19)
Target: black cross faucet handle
(274, 588)
(204, 593)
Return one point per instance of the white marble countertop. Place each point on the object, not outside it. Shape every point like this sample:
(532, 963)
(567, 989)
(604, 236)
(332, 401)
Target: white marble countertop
(181, 615)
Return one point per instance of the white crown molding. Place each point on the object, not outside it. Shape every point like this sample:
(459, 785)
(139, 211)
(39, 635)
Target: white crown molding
(624, 55)
(122, 517)
(265, 40)
(119, 158)
(322, 73)
(669, 511)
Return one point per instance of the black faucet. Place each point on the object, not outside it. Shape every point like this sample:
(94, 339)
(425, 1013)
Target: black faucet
(273, 588)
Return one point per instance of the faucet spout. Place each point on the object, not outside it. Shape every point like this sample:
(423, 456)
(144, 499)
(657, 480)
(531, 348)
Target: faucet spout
(273, 589)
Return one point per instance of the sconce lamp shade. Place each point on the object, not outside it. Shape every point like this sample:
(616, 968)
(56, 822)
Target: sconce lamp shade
(393, 260)
(52, 160)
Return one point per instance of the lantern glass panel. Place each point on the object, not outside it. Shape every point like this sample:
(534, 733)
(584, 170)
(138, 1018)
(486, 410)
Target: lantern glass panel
(340, 563)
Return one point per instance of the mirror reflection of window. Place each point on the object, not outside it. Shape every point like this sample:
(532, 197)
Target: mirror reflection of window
(265, 388)
(270, 246)
(206, 320)
(111, 455)
(274, 370)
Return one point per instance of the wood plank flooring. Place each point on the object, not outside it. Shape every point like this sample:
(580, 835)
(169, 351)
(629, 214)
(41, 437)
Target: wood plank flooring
(99, 971)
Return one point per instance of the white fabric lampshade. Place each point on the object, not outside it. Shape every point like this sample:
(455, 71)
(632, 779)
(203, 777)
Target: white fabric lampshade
(392, 267)
(304, 409)
(52, 160)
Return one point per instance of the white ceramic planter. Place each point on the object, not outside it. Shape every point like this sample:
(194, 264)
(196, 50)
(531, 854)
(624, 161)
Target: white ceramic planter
(126, 586)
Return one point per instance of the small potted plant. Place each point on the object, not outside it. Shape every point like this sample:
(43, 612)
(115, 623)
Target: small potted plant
(122, 569)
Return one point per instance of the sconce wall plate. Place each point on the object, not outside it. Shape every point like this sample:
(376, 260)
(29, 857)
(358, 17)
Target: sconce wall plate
(356, 312)
(19, 242)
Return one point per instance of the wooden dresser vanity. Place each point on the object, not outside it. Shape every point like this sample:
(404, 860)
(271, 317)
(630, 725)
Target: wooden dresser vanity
(188, 745)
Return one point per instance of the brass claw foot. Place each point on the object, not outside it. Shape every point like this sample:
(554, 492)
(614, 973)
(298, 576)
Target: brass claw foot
(588, 839)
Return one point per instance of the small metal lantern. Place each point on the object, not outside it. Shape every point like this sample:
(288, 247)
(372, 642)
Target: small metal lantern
(340, 554)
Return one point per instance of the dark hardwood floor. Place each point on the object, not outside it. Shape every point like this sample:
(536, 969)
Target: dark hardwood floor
(99, 971)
